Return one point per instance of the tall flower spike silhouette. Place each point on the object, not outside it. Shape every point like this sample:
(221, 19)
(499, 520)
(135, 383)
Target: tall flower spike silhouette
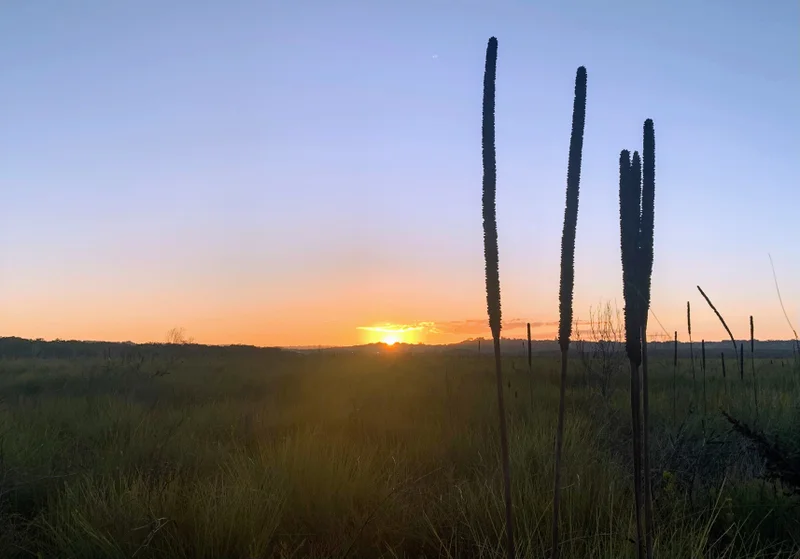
(568, 280)
(492, 269)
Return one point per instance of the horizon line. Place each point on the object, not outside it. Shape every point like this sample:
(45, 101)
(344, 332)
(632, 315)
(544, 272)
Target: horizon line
(378, 343)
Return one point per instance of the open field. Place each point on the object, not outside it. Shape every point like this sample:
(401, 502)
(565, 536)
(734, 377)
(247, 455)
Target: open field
(326, 455)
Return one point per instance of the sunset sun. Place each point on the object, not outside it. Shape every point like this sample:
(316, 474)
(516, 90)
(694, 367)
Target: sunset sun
(391, 333)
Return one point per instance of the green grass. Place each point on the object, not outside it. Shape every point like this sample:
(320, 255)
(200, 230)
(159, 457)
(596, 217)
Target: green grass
(371, 456)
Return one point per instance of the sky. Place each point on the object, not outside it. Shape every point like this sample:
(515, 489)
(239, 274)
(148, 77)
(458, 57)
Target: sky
(307, 172)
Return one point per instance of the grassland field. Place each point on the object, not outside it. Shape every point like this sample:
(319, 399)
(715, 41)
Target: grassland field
(336, 455)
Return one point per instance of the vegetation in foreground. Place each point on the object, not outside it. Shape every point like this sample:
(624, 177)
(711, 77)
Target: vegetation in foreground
(393, 455)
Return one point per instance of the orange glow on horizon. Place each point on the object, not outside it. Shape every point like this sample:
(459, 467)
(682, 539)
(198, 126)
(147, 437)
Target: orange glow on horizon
(143, 318)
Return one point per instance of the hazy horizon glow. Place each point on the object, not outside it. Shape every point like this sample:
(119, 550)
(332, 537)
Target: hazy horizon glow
(309, 173)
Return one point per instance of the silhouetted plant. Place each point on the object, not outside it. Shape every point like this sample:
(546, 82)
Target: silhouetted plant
(646, 230)
(796, 346)
(637, 211)
(492, 267)
(703, 353)
(568, 277)
(691, 348)
(602, 352)
(703, 369)
(719, 316)
(725, 375)
(722, 360)
(675, 378)
(741, 361)
(753, 364)
(629, 214)
(530, 363)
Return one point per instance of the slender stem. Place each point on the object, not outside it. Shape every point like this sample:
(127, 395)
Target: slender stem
(558, 450)
(705, 402)
(785, 314)
(724, 376)
(648, 493)
(719, 316)
(741, 361)
(674, 380)
(753, 365)
(691, 353)
(504, 454)
(530, 364)
(637, 454)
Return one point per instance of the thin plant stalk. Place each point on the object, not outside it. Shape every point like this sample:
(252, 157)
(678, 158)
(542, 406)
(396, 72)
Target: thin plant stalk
(492, 270)
(568, 281)
(530, 364)
(705, 399)
(796, 347)
(724, 376)
(703, 353)
(637, 453)
(691, 349)
(674, 379)
(753, 364)
(719, 316)
(741, 361)
(648, 492)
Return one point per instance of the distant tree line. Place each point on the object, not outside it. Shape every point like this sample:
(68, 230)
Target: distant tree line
(21, 348)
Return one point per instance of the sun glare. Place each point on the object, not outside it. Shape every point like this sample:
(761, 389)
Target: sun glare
(392, 334)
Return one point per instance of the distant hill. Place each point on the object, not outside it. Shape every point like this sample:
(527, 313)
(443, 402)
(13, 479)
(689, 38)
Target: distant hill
(513, 346)
(20, 348)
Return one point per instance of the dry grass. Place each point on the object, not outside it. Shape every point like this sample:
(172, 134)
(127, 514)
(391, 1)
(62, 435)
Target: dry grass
(370, 456)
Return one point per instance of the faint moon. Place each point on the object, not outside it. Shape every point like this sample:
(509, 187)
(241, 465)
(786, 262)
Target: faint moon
(435, 56)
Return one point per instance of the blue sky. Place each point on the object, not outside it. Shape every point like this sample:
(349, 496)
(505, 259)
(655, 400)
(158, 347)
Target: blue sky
(289, 171)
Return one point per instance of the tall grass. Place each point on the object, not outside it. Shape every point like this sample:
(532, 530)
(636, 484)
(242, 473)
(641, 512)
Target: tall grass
(492, 271)
(783, 308)
(312, 455)
(568, 280)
